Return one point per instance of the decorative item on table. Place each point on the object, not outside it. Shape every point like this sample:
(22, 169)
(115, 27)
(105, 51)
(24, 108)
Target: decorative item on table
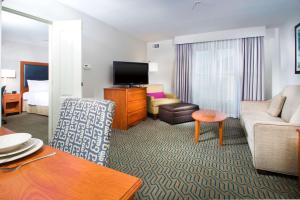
(297, 49)
(18, 145)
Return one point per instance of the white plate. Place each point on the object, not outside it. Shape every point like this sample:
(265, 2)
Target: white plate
(20, 148)
(37, 145)
(12, 141)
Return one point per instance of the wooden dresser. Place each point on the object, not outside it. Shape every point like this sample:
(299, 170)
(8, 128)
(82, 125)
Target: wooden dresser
(131, 106)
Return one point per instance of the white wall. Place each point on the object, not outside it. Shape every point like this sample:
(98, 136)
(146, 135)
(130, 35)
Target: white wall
(15, 51)
(101, 46)
(165, 57)
(101, 43)
(284, 57)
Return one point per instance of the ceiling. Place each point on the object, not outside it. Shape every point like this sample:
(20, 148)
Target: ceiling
(20, 29)
(152, 20)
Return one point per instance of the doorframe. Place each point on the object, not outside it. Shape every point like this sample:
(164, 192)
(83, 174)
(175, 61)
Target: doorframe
(45, 21)
(16, 12)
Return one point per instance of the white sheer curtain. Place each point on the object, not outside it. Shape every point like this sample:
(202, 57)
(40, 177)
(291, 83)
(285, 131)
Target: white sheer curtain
(216, 75)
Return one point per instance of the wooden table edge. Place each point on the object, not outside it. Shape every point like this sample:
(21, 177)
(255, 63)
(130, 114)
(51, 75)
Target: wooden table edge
(133, 190)
(198, 121)
(130, 194)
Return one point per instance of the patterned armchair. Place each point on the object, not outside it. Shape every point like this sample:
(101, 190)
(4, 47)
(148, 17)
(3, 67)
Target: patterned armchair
(153, 103)
(84, 128)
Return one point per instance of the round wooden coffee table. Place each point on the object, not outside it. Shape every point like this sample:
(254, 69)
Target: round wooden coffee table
(208, 116)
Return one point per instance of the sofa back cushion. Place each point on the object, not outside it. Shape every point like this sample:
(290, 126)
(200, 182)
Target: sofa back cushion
(295, 119)
(155, 88)
(292, 101)
(276, 105)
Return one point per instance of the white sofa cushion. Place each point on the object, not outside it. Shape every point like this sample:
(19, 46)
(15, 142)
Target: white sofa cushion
(296, 117)
(276, 105)
(292, 101)
(251, 118)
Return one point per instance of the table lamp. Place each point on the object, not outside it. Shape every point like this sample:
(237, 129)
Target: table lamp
(7, 73)
(153, 67)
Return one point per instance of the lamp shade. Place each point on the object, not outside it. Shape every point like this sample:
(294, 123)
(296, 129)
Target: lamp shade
(153, 67)
(8, 73)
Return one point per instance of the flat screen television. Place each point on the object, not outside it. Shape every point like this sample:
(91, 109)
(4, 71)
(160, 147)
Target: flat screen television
(130, 73)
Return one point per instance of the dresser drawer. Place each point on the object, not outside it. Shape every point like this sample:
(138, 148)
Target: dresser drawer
(136, 105)
(136, 116)
(11, 98)
(131, 105)
(137, 94)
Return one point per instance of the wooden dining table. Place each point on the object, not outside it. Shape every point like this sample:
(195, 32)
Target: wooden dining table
(64, 176)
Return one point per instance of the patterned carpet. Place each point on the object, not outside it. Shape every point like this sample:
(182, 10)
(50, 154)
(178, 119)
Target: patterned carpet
(37, 125)
(172, 166)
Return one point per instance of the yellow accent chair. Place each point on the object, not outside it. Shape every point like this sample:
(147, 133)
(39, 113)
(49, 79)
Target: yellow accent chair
(154, 103)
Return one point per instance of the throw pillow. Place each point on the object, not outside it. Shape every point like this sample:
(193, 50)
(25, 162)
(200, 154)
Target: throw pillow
(296, 116)
(276, 105)
(157, 95)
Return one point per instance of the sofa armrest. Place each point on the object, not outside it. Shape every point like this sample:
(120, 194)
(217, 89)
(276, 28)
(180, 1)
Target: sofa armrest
(276, 147)
(255, 106)
(170, 95)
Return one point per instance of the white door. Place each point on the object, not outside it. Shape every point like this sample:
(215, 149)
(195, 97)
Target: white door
(65, 66)
(0, 61)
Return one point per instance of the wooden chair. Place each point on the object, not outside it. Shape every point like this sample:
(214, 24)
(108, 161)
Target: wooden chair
(84, 128)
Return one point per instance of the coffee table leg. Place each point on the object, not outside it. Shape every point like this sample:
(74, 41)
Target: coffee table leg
(197, 131)
(221, 125)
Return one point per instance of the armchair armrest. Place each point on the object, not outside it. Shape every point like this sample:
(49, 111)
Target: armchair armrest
(150, 98)
(170, 95)
(256, 106)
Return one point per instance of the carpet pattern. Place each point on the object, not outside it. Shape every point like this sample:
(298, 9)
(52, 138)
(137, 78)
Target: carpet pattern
(172, 166)
(35, 124)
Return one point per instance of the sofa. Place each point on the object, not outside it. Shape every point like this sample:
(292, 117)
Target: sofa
(157, 97)
(273, 141)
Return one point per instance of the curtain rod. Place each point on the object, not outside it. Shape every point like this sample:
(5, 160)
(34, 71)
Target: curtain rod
(26, 15)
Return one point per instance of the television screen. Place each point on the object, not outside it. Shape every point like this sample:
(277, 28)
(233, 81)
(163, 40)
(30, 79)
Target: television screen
(130, 73)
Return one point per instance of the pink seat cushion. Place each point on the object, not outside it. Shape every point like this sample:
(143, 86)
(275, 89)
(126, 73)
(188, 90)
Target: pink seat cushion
(157, 95)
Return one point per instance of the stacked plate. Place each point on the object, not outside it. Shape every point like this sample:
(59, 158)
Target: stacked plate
(18, 145)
